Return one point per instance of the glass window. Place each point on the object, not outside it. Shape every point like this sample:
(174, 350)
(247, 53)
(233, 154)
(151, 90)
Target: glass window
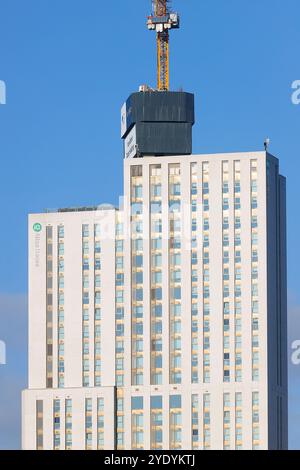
(155, 207)
(156, 402)
(97, 264)
(175, 401)
(119, 296)
(138, 244)
(156, 293)
(156, 260)
(138, 345)
(136, 208)
(86, 265)
(157, 277)
(119, 246)
(156, 190)
(138, 191)
(137, 403)
(138, 328)
(61, 231)
(138, 261)
(85, 230)
(119, 229)
(138, 295)
(120, 404)
(175, 189)
(119, 279)
(119, 262)
(97, 314)
(97, 280)
(138, 311)
(156, 243)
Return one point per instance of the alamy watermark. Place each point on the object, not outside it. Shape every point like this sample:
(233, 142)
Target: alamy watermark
(2, 92)
(2, 353)
(295, 357)
(296, 93)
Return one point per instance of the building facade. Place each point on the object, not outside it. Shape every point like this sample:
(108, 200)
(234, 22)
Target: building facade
(162, 325)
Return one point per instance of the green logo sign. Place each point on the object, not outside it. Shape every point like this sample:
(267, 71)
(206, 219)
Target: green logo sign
(37, 227)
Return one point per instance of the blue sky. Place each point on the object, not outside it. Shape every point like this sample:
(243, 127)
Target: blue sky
(68, 66)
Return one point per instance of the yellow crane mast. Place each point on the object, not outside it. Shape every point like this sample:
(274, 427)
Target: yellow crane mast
(161, 21)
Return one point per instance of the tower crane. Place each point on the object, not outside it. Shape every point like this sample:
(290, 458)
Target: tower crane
(161, 21)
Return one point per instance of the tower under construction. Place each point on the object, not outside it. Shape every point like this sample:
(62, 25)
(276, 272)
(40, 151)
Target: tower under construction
(162, 324)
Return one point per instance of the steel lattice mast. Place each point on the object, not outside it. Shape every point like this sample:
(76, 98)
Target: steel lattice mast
(162, 20)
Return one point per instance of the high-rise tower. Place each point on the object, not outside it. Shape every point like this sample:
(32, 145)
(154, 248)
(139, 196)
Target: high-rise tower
(162, 324)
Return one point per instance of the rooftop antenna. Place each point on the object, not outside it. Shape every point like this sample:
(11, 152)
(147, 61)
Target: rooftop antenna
(267, 143)
(161, 21)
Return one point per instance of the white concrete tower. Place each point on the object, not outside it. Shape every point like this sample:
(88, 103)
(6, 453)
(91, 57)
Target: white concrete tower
(162, 325)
